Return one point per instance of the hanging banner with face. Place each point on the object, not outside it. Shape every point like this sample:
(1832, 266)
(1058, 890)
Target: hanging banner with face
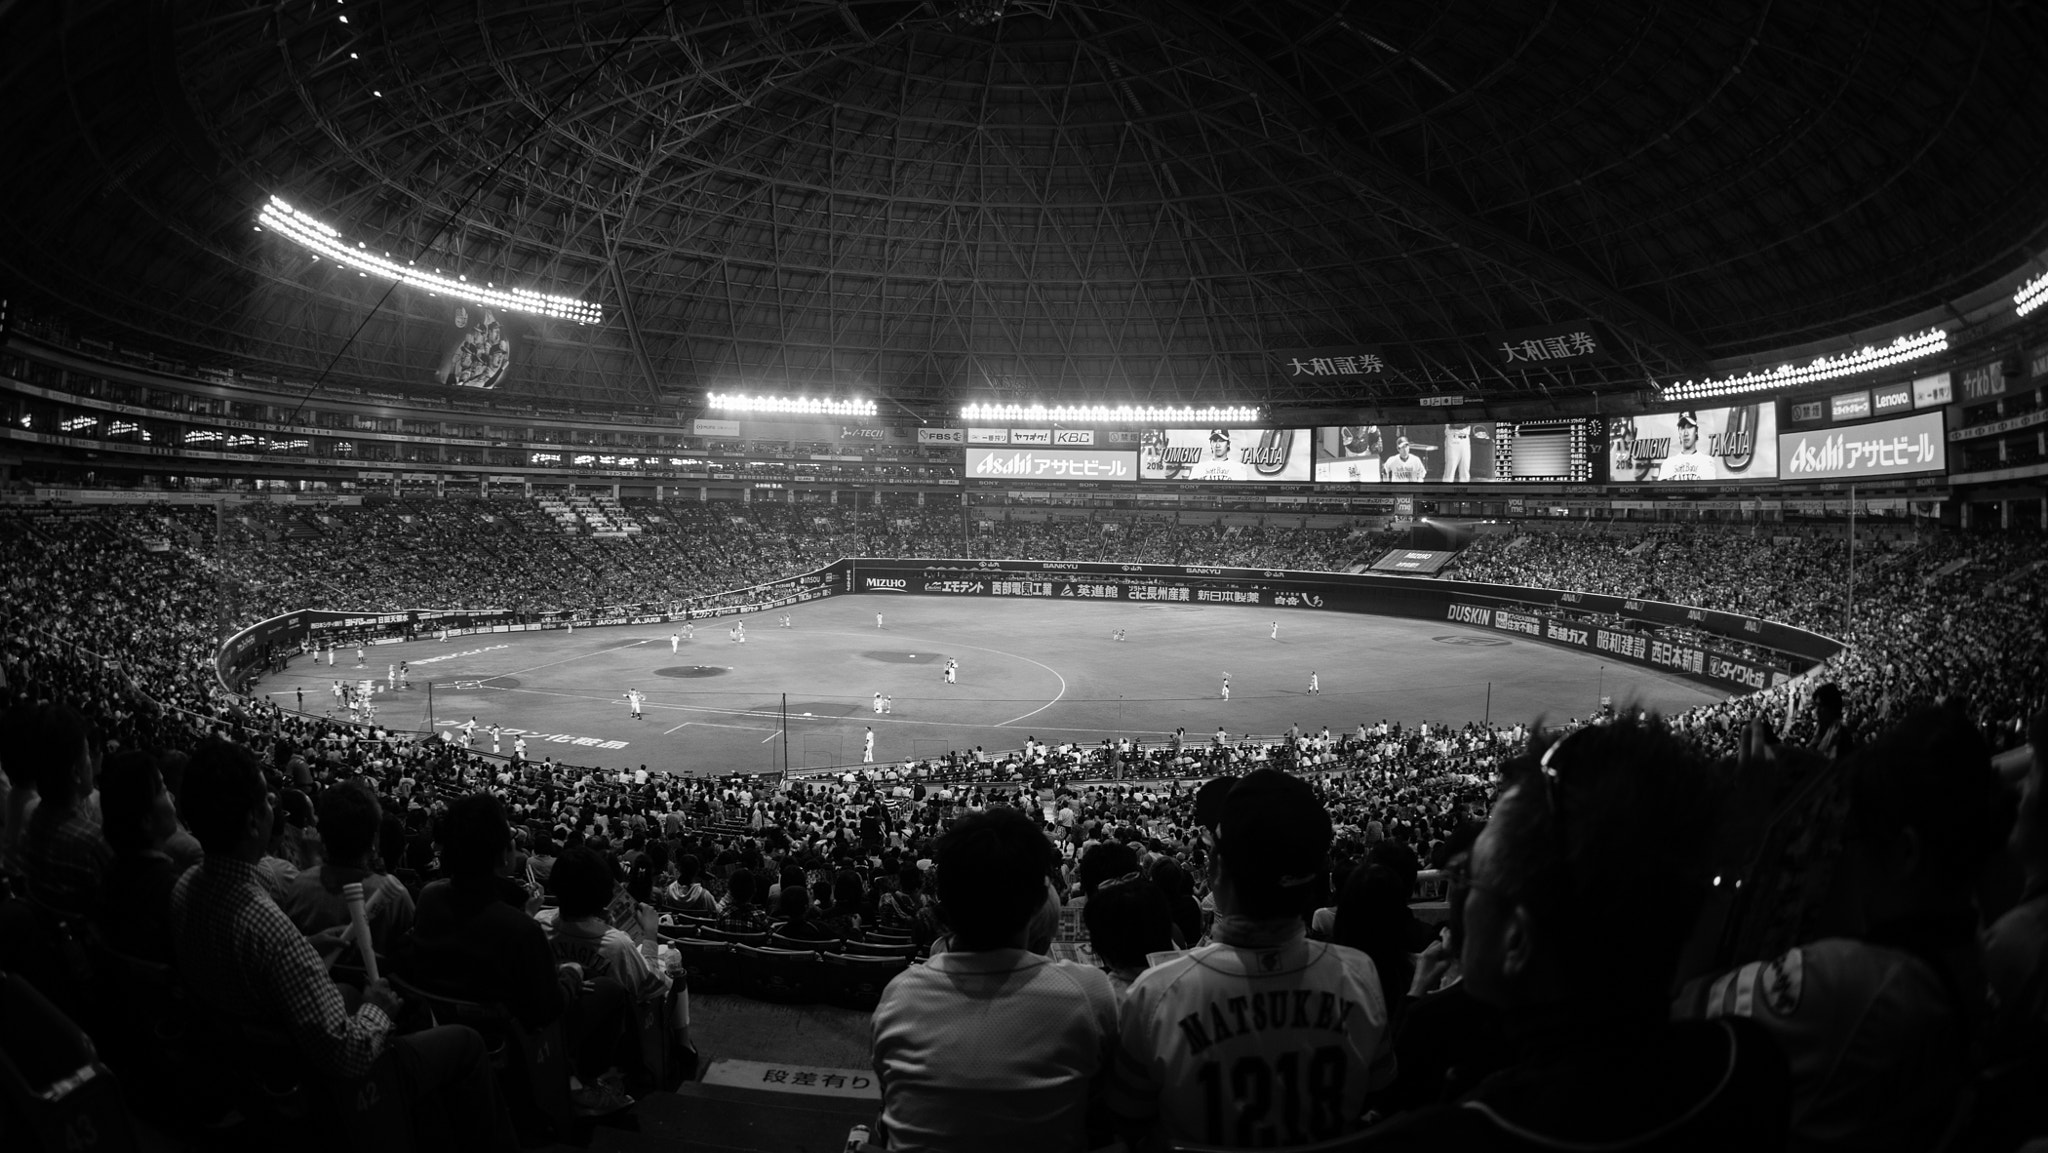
(481, 353)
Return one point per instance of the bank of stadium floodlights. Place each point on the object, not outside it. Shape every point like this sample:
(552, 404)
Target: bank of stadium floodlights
(1869, 358)
(789, 405)
(1104, 414)
(302, 229)
(2031, 294)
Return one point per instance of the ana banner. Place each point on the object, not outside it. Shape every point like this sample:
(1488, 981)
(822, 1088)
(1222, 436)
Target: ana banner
(1694, 445)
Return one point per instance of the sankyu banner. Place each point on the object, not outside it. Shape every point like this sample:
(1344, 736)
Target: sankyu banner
(1694, 445)
(1051, 464)
(1908, 444)
(1225, 454)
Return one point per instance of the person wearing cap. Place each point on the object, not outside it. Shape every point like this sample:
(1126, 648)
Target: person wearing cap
(1575, 914)
(1404, 466)
(1689, 461)
(990, 1046)
(1262, 1037)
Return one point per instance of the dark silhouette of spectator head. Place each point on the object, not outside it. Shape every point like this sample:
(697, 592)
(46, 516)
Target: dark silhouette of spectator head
(1104, 861)
(1128, 919)
(1373, 917)
(1587, 880)
(640, 879)
(1923, 806)
(583, 883)
(1827, 704)
(474, 835)
(135, 807)
(1271, 845)
(226, 801)
(49, 747)
(991, 869)
(350, 819)
(739, 888)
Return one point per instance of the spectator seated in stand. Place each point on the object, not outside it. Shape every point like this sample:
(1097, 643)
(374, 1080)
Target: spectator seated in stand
(64, 857)
(349, 821)
(687, 893)
(140, 820)
(577, 930)
(1879, 1024)
(474, 938)
(1584, 887)
(244, 962)
(989, 1046)
(1129, 923)
(794, 910)
(1262, 1037)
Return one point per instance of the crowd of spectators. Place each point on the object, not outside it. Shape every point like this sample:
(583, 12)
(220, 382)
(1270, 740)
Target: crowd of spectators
(1233, 928)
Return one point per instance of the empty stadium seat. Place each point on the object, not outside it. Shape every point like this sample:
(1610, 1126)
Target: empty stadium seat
(790, 976)
(857, 982)
(532, 1065)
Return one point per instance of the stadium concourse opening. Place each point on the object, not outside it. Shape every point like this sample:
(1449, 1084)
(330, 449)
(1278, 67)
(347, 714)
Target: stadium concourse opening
(1024, 669)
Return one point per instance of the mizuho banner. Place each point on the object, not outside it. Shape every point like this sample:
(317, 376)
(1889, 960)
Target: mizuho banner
(1880, 448)
(1051, 464)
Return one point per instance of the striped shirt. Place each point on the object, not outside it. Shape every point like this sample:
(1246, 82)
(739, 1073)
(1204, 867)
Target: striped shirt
(242, 958)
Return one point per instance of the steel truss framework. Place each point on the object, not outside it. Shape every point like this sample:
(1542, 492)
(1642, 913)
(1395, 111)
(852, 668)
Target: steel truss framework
(1080, 200)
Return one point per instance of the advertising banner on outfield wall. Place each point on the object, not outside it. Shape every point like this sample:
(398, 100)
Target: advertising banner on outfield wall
(942, 436)
(1386, 595)
(1225, 454)
(1694, 445)
(1040, 464)
(1907, 444)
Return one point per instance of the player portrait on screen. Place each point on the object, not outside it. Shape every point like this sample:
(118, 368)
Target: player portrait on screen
(1404, 467)
(1222, 454)
(1694, 445)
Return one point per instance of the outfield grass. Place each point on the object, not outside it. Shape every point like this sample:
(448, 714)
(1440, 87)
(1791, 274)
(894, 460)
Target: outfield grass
(1026, 668)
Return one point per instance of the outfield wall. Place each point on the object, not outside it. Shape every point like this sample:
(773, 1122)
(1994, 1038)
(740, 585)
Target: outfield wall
(1508, 608)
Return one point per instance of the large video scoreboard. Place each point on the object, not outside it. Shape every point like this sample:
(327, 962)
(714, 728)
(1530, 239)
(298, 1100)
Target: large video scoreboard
(1551, 450)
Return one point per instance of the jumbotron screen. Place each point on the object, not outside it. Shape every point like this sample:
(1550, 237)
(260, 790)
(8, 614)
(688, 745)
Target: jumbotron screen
(1473, 452)
(1224, 454)
(1694, 445)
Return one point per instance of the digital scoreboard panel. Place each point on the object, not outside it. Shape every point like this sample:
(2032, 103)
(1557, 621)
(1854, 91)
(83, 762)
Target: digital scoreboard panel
(1550, 450)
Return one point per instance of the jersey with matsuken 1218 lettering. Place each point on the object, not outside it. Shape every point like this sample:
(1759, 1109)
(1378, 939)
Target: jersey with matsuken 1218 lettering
(1254, 1047)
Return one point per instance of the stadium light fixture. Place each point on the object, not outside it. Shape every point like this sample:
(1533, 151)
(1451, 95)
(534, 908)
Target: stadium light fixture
(325, 241)
(1104, 414)
(1869, 358)
(790, 405)
(2031, 294)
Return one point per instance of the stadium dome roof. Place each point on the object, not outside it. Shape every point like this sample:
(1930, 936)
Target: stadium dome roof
(1060, 200)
